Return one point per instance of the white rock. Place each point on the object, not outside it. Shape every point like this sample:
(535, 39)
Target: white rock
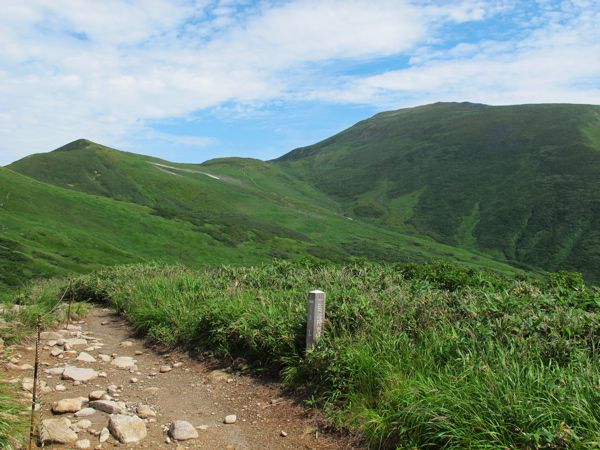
(57, 431)
(127, 429)
(232, 418)
(60, 388)
(180, 430)
(104, 358)
(72, 342)
(85, 412)
(79, 374)
(104, 435)
(83, 444)
(55, 370)
(84, 424)
(165, 369)
(86, 357)
(124, 362)
(126, 344)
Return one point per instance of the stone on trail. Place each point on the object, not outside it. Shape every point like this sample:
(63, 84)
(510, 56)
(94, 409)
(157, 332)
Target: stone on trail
(104, 358)
(104, 435)
(56, 351)
(165, 369)
(97, 395)
(127, 429)
(79, 374)
(55, 371)
(83, 444)
(126, 344)
(60, 387)
(86, 357)
(109, 406)
(124, 362)
(67, 405)
(85, 412)
(57, 431)
(27, 385)
(50, 335)
(230, 419)
(75, 341)
(180, 430)
(83, 424)
(145, 412)
(12, 366)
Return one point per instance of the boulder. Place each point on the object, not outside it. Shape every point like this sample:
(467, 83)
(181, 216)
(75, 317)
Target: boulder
(86, 357)
(85, 412)
(57, 431)
(67, 405)
(109, 406)
(97, 395)
(55, 371)
(180, 430)
(145, 412)
(79, 374)
(124, 362)
(127, 429)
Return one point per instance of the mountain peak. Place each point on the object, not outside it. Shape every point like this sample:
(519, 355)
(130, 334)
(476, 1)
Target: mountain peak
(79, 144)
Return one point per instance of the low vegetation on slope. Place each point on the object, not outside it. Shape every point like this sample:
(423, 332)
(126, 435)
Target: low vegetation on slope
(520, 182)
(86, 205)
(431, 356)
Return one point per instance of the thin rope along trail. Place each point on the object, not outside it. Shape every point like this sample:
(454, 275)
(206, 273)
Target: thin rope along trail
(35, 381)
(37, 398)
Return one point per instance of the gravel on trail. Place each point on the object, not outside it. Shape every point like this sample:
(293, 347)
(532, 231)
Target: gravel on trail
(132, 396)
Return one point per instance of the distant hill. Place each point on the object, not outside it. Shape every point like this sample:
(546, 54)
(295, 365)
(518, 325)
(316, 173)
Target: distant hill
(521, 183)
(85, 205)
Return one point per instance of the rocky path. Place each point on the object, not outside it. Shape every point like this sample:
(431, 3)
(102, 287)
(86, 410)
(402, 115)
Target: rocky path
(102, 388)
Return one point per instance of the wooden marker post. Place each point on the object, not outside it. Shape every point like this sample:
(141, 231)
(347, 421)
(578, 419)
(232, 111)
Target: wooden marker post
(315, 318)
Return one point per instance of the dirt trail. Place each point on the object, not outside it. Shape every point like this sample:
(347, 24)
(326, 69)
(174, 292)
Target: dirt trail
(191, 391)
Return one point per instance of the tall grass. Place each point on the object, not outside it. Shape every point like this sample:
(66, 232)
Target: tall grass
(430, 356)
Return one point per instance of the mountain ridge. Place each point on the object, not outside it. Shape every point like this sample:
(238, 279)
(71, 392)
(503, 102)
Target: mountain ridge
(471, 182)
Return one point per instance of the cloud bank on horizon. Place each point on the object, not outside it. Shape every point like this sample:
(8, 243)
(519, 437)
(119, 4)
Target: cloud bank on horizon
(193, 79)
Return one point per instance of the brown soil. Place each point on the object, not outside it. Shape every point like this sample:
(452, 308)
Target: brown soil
(189, 392)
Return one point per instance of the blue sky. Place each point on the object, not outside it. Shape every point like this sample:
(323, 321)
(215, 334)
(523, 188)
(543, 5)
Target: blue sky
(190, 80)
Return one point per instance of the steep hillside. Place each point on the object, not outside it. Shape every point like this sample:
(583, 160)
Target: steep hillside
(518, 182)
(109, 207)
(45, 230)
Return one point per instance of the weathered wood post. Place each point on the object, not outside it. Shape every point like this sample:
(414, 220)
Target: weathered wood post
(315, 318)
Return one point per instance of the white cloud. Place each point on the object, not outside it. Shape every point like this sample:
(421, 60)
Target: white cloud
(559, 62)
(102, 70)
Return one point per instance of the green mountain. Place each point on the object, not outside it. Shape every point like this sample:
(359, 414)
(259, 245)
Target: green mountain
(521, 183)
(86, 205)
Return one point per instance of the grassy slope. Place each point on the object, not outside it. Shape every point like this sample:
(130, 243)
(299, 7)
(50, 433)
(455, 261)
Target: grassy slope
(520, 182)
(47, 230)
(413, 356)
(254, 211)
